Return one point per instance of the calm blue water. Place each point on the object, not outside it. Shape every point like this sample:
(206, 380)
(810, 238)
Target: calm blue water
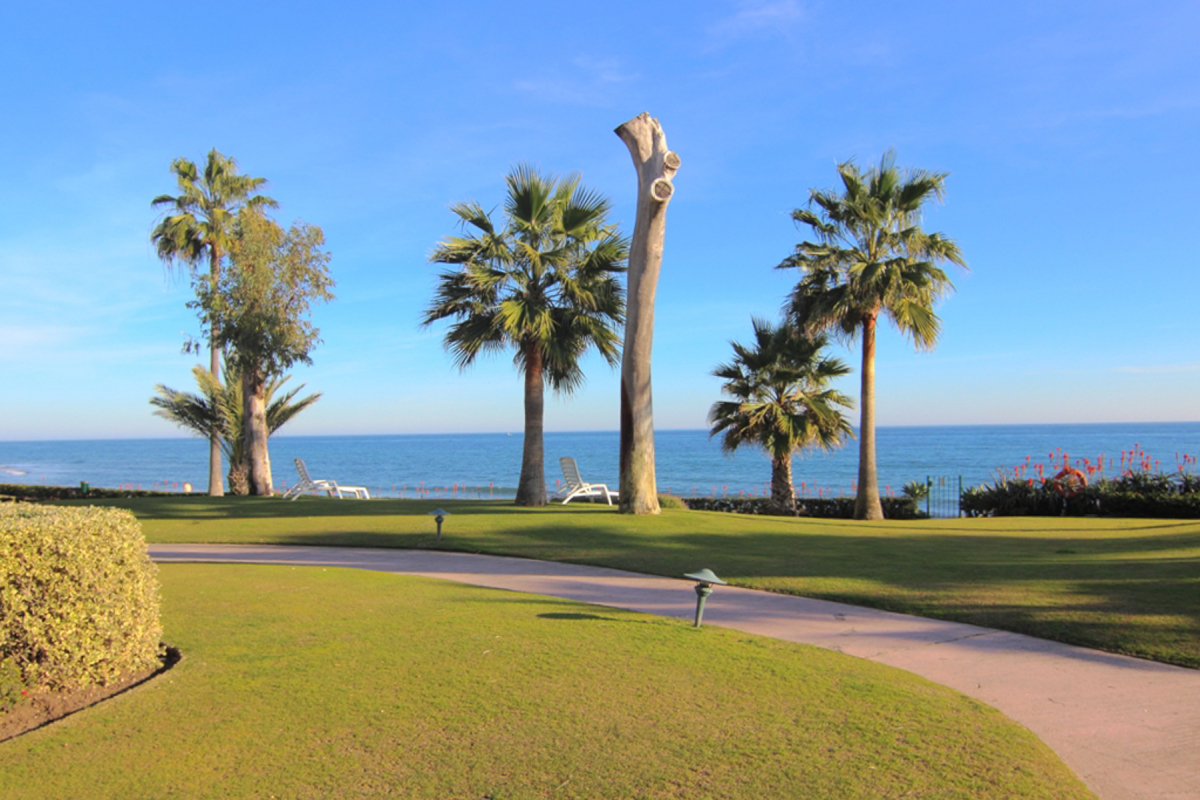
(688, 462)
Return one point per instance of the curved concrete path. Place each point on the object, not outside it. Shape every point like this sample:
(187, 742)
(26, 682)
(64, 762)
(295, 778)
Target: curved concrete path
(1129, 728)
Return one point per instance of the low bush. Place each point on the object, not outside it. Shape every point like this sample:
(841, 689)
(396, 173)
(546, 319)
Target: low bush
(1010, 498)
(78, 596)
(36, 492)
(12, 684)
(825, 507)
(670, 501)
(1131, 495)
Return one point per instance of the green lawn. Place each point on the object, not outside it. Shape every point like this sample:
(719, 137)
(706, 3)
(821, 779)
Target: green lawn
(324, 683)
(1127, 586)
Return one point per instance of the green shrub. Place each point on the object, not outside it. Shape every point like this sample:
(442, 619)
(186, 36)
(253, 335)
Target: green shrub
(825, 507)
(670, 501)
(37, 492)
(78, 595)
(12, 684)
(1138, 494)
(1010, 498)
(1162, 505)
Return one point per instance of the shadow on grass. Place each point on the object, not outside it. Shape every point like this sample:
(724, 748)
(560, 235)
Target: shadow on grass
(1129, 586)
(1118, 593)
(239, 507)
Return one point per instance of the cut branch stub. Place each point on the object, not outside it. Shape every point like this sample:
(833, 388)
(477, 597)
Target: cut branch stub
(662, 189)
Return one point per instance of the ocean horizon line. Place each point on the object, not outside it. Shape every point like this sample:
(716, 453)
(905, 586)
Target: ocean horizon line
(688, 460)
(573, 431)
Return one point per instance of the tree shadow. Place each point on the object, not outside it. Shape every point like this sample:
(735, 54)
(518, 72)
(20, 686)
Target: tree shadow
(1123, 585)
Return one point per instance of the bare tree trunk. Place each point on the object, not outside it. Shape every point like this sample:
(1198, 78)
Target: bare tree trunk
(655, 165)
(531, 487)
(866, 500)
(254, 421)
(783, 494)
(216, 488)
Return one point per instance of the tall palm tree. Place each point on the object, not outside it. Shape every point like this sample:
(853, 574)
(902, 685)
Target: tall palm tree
(197, 225)
(781, 402)
(871, 258)
(544, 284)
(218, 410)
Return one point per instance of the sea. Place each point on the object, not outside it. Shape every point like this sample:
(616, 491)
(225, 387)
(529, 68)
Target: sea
(688, 462)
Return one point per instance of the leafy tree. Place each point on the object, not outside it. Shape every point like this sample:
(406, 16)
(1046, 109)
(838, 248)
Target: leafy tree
(871, 258)
(217, 410)
(544, 284)
(198, 225)
(781, 402)
(260, 308)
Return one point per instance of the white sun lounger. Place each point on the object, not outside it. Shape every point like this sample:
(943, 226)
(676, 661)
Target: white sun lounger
(331, 488)
(576, 487)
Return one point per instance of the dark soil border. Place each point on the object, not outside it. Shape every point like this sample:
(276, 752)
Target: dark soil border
(46, 707)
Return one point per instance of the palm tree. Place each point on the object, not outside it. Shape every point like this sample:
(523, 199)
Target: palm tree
(870, 258)
(545, 284)
(219, 411)
(781, 401)
(198, 223)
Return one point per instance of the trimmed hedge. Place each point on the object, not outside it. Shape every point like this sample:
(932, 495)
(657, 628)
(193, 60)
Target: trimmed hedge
(78, 596)
(23, 491)
(828, 508)
(1138, 495)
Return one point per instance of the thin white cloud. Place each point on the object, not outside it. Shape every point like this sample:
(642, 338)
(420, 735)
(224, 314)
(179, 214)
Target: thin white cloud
(1162, 369)
(93, 344)
(586, 82)
(19, 339)
(755, 18)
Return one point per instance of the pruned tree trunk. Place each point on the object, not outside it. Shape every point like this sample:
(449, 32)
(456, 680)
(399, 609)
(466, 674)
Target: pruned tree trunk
(531, 486)
(866, 500)
(655, 165)
(254, 420)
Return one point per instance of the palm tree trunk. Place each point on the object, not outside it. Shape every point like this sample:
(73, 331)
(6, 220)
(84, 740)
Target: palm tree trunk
(531, 487)
(254, 421)
(866, 500)
(783, 494)
(216, 488)
(655, 166)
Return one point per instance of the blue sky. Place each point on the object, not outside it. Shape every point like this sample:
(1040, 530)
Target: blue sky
(1069, 131)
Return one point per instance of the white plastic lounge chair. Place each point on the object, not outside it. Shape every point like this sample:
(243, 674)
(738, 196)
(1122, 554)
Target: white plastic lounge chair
(576, 487)
(331, 488)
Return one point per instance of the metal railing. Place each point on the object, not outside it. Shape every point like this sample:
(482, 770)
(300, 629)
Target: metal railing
(943, 498)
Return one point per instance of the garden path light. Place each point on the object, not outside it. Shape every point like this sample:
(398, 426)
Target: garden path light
(439, 516)
(704, 582)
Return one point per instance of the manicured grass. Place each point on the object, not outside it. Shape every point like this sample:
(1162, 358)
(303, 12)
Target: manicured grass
(1127, 586)
(307, 682)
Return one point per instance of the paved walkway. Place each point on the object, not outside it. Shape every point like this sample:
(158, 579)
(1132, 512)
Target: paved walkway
(1129, 728)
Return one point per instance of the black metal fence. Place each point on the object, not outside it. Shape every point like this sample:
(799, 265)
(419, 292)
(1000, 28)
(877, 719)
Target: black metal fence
(942, 499)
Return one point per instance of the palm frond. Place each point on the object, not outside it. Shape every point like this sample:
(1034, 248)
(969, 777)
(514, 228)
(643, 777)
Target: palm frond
(780, 399)
(547, 280)
(218, 408)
